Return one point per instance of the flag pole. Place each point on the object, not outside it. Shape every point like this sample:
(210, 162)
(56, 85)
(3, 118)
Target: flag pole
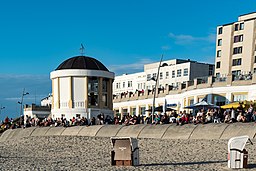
(154, 98)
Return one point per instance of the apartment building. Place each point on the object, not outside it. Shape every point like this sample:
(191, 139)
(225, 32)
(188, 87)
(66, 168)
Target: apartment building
(236, 48)
(172, 73)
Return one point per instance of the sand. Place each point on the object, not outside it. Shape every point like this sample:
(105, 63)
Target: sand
(92, 153)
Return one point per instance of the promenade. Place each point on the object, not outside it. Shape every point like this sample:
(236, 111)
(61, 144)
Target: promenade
(166, 131)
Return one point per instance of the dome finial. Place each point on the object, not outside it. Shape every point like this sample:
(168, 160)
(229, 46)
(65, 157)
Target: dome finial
(82, 49)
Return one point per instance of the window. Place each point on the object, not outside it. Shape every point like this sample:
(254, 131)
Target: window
(220, 30)
(117, 85)
(123, 84)
(154, 76)
(237, 50)
(142, 110)
(211, 69)
(129, 83)
(173, 74)
(219, 53)
(105, 84)
(133, 111)
(148, 77)
(236, 27)
(218, 65)
(237, 62)
(179, 73)
(254, 70)
(185, 72)
(254, 59)
(167, 75)
(236, 72)
(93, 91)
(218, 75)
(240, 97)
(241, 26)
(238, 38)
(219, 42)
(161, 75)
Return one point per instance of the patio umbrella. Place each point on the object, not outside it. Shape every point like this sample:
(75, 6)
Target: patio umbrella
(232, 105)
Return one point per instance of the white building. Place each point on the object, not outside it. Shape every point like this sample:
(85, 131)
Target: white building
(47, 101)
(81, 86)
(172, 73)
(215, 91)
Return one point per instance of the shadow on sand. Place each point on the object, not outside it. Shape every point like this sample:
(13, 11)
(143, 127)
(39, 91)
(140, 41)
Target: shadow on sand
(250, 166)
(183, 163)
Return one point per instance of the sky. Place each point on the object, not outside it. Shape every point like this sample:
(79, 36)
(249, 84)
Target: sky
(36, 36)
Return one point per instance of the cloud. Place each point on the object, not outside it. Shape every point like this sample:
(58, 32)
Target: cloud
(183, 39)
(12, 85)
(166, 47)
(16, 99)
(130, 68)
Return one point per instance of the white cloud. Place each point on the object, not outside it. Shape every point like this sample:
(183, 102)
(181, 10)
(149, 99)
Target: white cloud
(183, 39)
(166, 47)
(130, 68)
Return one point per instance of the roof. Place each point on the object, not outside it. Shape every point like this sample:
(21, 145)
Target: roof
(82, 62)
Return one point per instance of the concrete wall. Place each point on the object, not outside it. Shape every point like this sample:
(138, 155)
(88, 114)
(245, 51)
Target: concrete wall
(169, 131)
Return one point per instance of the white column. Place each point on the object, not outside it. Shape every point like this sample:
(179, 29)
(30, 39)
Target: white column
(228, 97)
(137, 110)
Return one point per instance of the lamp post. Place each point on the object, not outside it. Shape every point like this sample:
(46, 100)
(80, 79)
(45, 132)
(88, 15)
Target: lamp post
(1, 108)
(21, 103)
(156, 80)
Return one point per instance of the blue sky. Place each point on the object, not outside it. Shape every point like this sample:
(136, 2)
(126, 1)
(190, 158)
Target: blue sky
(36, 36)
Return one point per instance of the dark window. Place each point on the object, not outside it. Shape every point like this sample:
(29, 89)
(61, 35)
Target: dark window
(241, 26)
(211, 69)
(237, 62)
(218, 75)
(161, 75)
(219, 42)
(236, 27)
(238, 38)
(236, 72)
(237, 50)
(254, 59)
(148, 77)
(219, 53)
(185, 72)
(179, 73)
(220, 30)
(173, 74)
(218, 65)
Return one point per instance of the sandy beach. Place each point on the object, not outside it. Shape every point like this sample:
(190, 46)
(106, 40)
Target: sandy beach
(93, 153)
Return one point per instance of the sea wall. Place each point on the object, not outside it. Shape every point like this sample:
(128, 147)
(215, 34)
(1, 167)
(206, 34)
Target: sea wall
(169, 131)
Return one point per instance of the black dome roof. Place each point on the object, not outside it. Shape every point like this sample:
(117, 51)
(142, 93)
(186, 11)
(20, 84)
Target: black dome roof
(82, 62)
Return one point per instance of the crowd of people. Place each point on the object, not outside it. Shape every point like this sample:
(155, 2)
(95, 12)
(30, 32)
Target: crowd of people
(200, 116)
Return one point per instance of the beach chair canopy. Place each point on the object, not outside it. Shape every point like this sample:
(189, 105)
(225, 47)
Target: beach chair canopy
(237, 143)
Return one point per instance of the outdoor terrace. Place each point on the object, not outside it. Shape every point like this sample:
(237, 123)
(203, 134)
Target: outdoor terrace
(197, 83)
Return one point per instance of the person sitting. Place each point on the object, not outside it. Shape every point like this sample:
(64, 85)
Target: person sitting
(216, 118)
(241, 117)
(200, 116)
(227, 118)
(157, 119)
